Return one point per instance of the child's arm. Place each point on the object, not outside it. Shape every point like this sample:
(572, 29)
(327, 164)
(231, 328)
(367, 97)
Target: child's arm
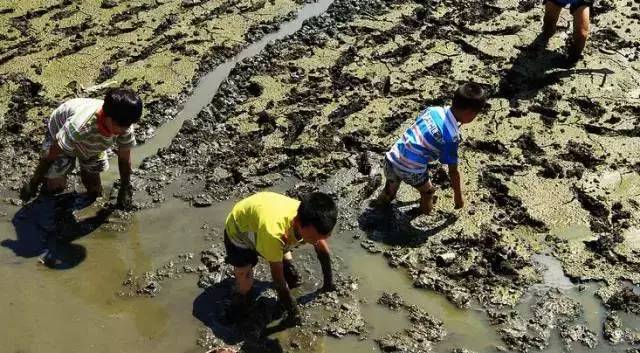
(124, 166)
(280, 284)
(324, 256)
(456, 184)
(29, 189)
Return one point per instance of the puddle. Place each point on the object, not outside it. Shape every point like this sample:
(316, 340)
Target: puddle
(79, 310)
(465, 328)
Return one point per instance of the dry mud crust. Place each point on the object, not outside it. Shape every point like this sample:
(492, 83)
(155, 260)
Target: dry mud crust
(51, 51)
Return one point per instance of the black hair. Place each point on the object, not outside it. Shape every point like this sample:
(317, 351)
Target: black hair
(123, 105)
(470, 96)
(319, 210)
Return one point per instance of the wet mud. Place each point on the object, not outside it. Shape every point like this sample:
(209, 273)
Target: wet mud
(54, 51)
(548, 168)
(324, 105)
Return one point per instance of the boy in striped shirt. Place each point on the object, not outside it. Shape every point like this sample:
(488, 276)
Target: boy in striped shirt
(433, 137)
(84, 129)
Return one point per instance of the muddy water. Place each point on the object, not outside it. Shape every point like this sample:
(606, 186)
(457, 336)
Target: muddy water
(465, 328)
(79, 310)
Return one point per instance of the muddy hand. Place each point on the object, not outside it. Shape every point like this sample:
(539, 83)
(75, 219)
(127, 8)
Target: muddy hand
(328, 287)
(125, 197)
(292, 319)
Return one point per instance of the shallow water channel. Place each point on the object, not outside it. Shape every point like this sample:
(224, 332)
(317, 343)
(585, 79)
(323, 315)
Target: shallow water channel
(79, 309)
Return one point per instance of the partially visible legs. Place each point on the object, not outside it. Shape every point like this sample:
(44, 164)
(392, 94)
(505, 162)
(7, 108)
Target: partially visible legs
(581, 23)
(92, 183)
(243, 260)
(391, 186)
(244, 279)
(55, 185)
(90, 170)
(427, 192)
(551, 16)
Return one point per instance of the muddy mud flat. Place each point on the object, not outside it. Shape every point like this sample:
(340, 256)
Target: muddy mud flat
(52, 51)
(549, 167)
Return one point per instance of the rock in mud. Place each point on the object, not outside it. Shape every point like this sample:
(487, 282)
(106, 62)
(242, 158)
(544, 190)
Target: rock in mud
(391, 300)
(579, 333)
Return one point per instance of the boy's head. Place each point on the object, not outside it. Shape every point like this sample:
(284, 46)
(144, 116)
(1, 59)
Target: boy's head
(122, 107)
(468, 101)
(317, 215)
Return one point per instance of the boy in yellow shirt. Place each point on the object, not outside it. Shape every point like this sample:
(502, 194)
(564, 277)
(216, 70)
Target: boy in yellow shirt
(268, 224)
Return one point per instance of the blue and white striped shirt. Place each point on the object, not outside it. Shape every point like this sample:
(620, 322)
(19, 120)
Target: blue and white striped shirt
(434, 136)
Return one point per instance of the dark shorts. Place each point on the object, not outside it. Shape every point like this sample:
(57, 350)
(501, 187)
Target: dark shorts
(237, 256)
(395, 175)
(573, 6)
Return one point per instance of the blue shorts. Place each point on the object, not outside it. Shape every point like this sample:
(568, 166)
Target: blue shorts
(573, 4)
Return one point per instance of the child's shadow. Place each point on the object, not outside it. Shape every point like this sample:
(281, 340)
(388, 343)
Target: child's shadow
(46, 227)
(392, 225)
(253, 331)
(536, 67)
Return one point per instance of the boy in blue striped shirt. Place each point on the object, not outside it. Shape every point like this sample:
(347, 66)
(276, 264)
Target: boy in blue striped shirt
(433, 137)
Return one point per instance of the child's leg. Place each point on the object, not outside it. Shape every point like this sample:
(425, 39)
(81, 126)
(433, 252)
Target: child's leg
(92, 183)
(426, 197)
(244, 279)
(551, 16)
(581, 22)
(389, 192)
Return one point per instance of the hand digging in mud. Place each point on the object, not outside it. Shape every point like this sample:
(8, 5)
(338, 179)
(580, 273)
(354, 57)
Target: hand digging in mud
(433, 137)
(269, 225)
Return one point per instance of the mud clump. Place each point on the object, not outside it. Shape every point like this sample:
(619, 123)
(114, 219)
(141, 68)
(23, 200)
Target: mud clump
(149, 283)
(625, 300)
(551, 311)
(581, 153)
(511, 205)
(391, 300)
(425, 330)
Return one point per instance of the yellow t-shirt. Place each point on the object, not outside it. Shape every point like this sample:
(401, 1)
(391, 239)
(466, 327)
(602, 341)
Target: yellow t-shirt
(260, 222)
